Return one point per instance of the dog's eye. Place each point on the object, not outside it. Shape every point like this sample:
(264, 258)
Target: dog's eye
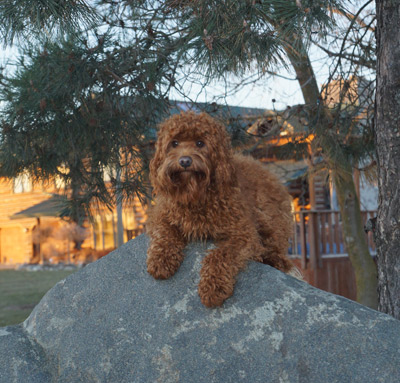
(174, 143)
(199, 144)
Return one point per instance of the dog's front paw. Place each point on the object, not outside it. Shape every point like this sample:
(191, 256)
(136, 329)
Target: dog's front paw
(216, 282)
(161, 266)
(213, 291)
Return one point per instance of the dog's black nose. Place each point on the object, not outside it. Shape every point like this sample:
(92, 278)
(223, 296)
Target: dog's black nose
(185, 161)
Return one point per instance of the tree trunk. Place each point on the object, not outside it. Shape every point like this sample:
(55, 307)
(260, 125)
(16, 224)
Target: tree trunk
(387, 136)
(120, 222)
(77, 213)
(354, 236)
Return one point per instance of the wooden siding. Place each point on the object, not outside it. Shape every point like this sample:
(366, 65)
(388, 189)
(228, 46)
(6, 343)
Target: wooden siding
(16, 236)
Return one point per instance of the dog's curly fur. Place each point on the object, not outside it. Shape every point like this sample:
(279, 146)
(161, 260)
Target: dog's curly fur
(213, 193)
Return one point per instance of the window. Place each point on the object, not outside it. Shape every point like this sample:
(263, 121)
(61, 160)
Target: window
(22, 184)
(59, 182)
(104, 231)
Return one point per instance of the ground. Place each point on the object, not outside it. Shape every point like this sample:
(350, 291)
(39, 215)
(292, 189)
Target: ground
(20, 291)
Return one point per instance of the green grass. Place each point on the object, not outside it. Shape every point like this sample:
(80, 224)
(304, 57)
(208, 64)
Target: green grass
(21, 291)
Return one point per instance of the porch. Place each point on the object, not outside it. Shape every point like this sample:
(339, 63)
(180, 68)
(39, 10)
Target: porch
(318, 250)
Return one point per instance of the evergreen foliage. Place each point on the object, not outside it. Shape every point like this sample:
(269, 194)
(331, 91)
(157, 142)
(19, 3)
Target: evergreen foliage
(78, 109)
(21, 19)
(232, 36)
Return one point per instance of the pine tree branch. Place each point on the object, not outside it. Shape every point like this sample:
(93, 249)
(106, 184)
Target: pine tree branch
(355, 59)
(21, 19)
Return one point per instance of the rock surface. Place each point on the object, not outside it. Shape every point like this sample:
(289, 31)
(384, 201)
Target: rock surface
(112, 322)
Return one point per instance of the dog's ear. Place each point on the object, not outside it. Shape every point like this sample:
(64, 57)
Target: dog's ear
(156, 162)
(225, 173)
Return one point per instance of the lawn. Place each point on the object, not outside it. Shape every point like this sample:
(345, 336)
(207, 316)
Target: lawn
(21, 291)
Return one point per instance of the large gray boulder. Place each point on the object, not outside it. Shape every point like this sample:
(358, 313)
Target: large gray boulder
(112, 322)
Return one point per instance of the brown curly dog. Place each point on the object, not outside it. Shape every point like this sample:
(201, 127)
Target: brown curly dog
(205, 191)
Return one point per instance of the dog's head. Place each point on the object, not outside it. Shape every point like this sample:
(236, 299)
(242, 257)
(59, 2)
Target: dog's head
(193, 157)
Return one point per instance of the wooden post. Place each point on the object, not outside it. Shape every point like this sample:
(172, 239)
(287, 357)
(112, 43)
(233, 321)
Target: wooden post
(41, 261)
(311, 191)
(120, 221)
(94, 236)
(303, 240)
(330, 232)
(337, 233)
(114, 229)
(314, 240)
(68, 251)
(103, 240)
(322, 217)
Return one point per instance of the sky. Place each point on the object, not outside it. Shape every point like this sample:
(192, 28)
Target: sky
(283, 87)
(7, 53)
(254, 95)
(258, 94)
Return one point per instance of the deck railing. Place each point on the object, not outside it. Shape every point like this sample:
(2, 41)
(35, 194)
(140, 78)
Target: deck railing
(318, 234)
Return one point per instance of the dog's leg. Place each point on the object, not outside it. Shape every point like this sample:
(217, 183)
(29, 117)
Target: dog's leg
(275, 255)
(165, 253)
(274, 233)
(216, 279)
(220, 267)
